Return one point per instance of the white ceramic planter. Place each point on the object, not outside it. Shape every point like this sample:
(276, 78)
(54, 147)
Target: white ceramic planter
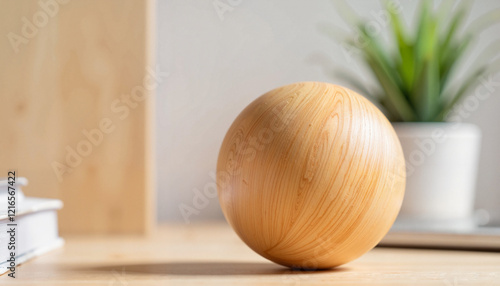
(441, 165)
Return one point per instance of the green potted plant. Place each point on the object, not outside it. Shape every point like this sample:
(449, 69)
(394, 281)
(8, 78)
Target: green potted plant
(418, 88)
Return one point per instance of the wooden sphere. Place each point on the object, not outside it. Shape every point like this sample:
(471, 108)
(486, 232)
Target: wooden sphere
(311, 175)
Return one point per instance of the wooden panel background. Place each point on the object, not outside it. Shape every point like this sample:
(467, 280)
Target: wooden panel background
(62, 78)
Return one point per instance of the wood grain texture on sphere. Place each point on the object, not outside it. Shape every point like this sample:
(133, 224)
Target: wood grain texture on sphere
(311, 175)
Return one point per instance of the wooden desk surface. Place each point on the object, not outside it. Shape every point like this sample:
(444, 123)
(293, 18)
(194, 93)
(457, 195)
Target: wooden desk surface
(212, 254)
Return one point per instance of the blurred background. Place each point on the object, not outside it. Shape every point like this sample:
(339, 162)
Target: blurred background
(222, 56)
(119, 107)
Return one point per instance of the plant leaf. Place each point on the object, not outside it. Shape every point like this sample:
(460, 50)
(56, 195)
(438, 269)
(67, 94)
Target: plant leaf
(386, 75)
(391, 111)
(425, 92)
(469, 82)
(415, 77)
(422, 45)
(406, 65)
(452, 58)
(444, 8)
(449, 34)
(392, 91)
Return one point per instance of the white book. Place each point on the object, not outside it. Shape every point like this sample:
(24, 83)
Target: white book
(35, 226)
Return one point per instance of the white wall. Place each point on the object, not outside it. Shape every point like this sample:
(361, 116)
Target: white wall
(218, 65)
